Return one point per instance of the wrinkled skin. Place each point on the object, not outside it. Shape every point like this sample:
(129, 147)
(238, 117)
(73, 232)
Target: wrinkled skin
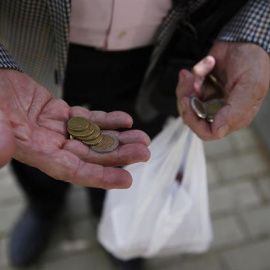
(244, 71)
(33, 131)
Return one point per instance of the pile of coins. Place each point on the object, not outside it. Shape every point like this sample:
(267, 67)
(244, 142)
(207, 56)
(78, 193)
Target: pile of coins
(90, 134)
(206, 110)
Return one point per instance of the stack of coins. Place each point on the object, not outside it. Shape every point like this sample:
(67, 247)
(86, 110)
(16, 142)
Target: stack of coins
(206, 110)
(90, 134)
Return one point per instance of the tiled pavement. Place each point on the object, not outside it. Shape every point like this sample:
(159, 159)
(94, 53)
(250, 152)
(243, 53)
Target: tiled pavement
(239, 183)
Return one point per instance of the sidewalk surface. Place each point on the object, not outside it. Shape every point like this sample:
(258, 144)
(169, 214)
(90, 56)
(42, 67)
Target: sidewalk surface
(239, 184)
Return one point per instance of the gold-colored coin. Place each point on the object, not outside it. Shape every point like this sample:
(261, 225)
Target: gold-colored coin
(212, 88)
(94, 141)
(215, 81)
(78, 123)
(84, 133)
(213, 106)
(92, 136)
(108, 143)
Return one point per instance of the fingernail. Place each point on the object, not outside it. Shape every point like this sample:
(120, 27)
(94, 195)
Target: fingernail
(207, 60)
(223, 131)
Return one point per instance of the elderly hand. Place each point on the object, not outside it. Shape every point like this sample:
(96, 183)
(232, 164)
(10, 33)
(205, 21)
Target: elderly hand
(243, 69)
(33, 131)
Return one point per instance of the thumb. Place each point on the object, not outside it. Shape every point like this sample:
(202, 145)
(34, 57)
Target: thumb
(241, 106)
(7, 140)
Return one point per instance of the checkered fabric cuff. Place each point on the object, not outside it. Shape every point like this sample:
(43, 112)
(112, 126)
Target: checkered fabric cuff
(6, 60)
(251, 24)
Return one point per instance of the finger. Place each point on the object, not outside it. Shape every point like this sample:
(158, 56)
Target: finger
(132, 136)
(123, 155)
(202, 69)
(56, 109)
(63, 165)
(197, 125)
(241, 107)
(54, 116)
(111, 120)
(7, 142)
(184, 88)
(106, 178)
(53, 125)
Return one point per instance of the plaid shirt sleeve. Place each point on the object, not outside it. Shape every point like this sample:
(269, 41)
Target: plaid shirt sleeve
(6, 60)
(251, 24)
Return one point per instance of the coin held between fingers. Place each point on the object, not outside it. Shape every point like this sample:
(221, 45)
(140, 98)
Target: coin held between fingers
(198, 107)
(212, 108)
(212, 88)
(206, 110)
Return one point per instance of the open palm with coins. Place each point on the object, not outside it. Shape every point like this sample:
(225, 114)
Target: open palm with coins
(33, 128)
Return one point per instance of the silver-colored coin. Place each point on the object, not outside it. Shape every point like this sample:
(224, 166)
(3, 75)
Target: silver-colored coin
(108, 144)
(198, 107)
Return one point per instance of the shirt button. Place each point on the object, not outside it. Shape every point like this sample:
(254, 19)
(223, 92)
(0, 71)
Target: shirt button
(122, 34)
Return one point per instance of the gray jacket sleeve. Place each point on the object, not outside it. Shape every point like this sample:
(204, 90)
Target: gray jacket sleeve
(6, 60)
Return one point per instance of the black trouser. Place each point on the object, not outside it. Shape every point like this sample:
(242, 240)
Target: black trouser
(104, 81)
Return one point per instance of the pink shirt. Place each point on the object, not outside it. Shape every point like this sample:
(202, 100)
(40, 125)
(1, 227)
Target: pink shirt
(116, 24)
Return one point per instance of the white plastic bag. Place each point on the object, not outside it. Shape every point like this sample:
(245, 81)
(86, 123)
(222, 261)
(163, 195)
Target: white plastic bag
(158, 216)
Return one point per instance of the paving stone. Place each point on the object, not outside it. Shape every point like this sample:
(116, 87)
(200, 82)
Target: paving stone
(4, 171)
(77, 204)
(163, 262)
(84, 229)
(251, 257)
(244, 165)
(205, 263)
(244, 139)
(197, 262)
(264, 184)
(227, 231)
(93, 259)
(3, 253)
(9, 215)
(258, 221)
(71, 237)
(233, 197)
(9, 267)
(57, 242)
(9, 190)
(213, 175)
(218, 147)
